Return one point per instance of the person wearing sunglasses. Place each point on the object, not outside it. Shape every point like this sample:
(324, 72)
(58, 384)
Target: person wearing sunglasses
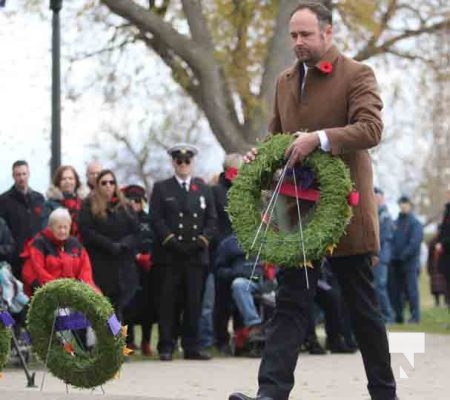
(110, 232)
(184, 221)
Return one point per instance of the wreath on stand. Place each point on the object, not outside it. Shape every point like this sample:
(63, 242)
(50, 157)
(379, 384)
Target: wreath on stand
(49, 322)
(327, 222)
(5, 337)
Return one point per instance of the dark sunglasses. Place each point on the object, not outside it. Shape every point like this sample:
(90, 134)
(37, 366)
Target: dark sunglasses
(137, 201)
(111, 182)
(180, 161)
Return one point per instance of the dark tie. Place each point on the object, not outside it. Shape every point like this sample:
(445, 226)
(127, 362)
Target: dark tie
(184, 186)
(301, 78)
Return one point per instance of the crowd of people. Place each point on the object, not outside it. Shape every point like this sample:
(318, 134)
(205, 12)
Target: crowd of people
(154, 259)
(174, 260)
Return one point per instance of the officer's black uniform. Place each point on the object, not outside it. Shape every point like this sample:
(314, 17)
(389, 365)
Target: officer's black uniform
(183, 222)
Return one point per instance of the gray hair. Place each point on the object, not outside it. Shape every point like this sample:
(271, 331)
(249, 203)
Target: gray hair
(58, 215)
(232, 160)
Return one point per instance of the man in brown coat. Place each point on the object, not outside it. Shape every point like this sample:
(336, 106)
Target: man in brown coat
(330, 102)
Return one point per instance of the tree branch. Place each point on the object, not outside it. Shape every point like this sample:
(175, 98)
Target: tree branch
(371, 49)
(219, 108)
(197, 23)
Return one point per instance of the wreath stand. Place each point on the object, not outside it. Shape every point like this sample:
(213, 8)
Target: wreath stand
(83, 324)
(9, 323)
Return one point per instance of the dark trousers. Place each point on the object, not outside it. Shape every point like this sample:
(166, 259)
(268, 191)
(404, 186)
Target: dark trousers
(142, 308)
(330, 302)
(288, 326)
(181, 286)
(223, 306)
(403, 283)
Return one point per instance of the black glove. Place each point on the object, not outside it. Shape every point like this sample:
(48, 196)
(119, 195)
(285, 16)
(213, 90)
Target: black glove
(195, 246)
(174, 245)
(201, 244)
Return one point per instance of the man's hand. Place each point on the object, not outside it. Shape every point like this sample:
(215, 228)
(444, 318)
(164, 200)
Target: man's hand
(302, 147)
(250, 156)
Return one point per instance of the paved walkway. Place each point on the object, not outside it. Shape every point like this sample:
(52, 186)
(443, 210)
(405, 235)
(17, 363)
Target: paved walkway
(336, 377)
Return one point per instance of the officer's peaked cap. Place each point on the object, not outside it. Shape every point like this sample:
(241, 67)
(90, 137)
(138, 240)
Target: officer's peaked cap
(182, 150)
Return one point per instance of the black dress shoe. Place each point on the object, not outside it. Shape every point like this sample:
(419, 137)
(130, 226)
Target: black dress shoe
(314, 347)
(165, 356)
(197, 355)
(240, 396)
(340, 347)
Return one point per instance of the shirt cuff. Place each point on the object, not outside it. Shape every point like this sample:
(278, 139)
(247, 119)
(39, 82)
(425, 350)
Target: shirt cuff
(324, 142)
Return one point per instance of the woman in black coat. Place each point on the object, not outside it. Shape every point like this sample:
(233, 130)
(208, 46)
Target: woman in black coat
(109, 230)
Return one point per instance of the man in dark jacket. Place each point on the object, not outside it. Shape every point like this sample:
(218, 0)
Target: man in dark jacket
(405, 264)
(184, 221)
(21, 208)
(380, 270)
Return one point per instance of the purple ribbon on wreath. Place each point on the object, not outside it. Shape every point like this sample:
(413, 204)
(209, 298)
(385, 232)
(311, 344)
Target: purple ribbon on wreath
(6, 319)
(114, 324)
(304, 176)
(73, 321)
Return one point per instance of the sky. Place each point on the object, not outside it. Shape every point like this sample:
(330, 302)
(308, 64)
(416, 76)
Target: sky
(25, 106)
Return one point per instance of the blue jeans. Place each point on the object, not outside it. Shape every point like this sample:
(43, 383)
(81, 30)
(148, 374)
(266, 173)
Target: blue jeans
(242, 290)
(380, 273)
(205, 329)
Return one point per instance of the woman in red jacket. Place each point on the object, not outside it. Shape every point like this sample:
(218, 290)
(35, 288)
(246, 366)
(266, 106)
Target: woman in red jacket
(54, 254)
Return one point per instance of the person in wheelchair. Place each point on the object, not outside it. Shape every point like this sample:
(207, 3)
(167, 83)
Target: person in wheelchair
(246, 281)
(54, 254)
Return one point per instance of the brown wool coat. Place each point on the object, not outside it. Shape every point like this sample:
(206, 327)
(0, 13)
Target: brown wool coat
(346, 104)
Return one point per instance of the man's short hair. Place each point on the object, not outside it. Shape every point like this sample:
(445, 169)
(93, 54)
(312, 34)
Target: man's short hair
(19, 163)
(404, 200)
(322, 10)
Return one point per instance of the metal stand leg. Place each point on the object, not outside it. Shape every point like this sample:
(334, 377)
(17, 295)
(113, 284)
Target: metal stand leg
(30, 376)
(48, 352)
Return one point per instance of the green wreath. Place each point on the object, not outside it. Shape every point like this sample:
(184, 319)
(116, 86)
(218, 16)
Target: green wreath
(331, 214)
(85, 369)
(5, 344)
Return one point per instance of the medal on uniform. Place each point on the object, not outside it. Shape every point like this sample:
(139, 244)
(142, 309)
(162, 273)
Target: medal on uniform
(202, 202)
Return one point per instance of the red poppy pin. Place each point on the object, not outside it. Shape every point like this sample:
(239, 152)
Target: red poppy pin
(194, 187)
(231, 173)
(326, 67)
(353, 198)
(38, 210)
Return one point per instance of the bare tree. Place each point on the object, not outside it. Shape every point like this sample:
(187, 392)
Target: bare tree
(437, 169)
(236, 111)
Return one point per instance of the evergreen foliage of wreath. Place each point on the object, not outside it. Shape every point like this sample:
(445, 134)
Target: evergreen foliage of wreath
(84, 369)
(5, 344)
(331, 214)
